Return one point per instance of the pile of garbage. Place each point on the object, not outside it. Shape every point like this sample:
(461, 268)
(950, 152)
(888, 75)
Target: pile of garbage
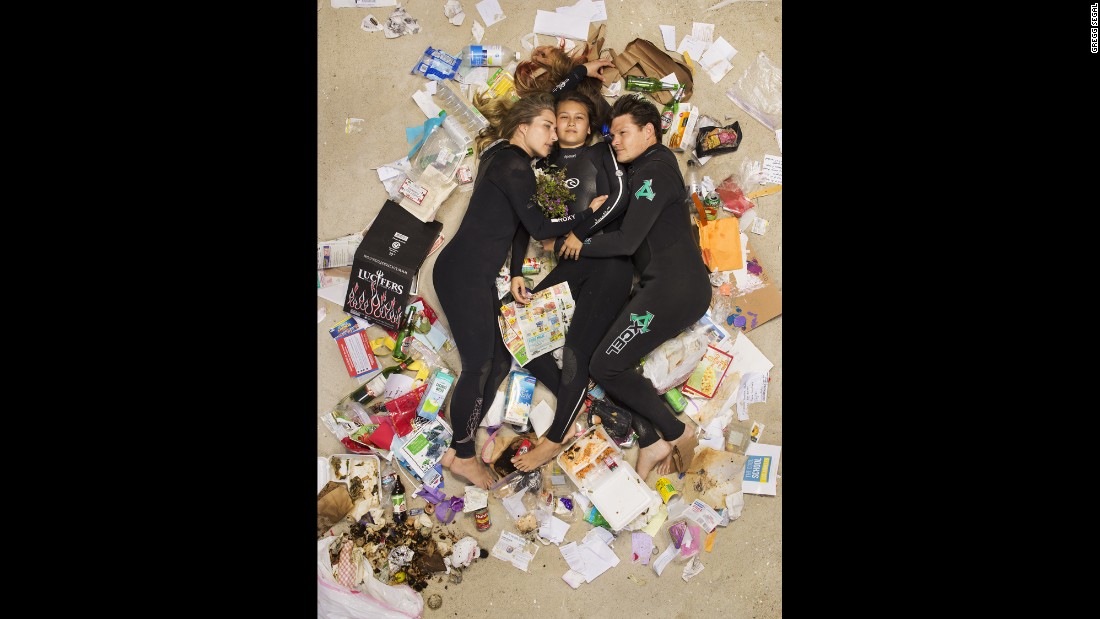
(395, 422)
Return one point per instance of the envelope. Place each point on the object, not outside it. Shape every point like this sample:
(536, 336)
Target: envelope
(644, 59)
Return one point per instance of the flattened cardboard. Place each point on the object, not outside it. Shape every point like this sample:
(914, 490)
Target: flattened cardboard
(760, 303)
(644, 59)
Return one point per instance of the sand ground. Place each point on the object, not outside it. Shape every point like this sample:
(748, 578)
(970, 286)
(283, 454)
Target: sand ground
(365, 75)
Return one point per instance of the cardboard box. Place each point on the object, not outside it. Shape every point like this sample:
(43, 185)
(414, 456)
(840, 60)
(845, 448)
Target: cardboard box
(385, 264)
(683, 124)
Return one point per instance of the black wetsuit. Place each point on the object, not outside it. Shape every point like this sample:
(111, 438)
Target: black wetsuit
(464, 277)
(600, 286)
(673, 291)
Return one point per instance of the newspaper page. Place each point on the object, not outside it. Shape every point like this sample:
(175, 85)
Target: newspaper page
(338, 252)
(538, 327)
(512, 340)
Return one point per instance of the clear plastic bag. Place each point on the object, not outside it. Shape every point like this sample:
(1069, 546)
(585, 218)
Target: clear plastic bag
(431, 179)
(671, 363)
(760, 92)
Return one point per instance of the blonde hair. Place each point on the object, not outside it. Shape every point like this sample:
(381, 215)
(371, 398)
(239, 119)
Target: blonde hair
(548, 66)
(505, 116)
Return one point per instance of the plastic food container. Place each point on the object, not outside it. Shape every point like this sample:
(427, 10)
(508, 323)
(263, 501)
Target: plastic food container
(365, 466)
(594, 462)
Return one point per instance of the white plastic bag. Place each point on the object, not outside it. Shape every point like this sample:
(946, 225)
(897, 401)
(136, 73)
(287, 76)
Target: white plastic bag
(374, 600)
(672, 363)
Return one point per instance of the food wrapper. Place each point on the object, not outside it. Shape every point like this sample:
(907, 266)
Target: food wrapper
(345, 567)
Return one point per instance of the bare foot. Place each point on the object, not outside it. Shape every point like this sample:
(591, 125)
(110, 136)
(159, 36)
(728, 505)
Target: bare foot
(471, 469)
(537, 456)
(648, 456)
(681, 454)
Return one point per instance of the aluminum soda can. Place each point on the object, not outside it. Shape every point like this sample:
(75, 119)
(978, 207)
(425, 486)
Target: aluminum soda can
(710, 205)
(676, 399)
(667, 490)
(531, 266)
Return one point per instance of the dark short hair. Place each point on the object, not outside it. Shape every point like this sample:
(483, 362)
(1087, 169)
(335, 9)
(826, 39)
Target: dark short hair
(640, 109)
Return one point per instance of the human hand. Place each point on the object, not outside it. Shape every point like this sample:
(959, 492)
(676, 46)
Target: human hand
(597, 202)
(548, 244)
(596, 67)
(520, 292)
(572, 247)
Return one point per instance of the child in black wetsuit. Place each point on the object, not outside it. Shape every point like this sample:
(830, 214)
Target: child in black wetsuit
(465, 271)
(600, 286)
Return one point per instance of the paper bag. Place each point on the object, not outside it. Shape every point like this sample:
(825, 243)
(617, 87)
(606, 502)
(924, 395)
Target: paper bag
(644, 59)
(333, 503)
(720, 241)
(596, 36)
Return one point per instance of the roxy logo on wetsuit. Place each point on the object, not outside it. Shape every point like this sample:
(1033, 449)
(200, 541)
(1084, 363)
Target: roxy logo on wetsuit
(639, 324)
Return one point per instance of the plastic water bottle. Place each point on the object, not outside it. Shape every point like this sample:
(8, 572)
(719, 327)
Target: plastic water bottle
(693, 181)
(484, 56)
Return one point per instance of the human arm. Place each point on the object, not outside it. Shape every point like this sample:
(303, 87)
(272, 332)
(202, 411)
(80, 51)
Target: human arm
(658, 188)
(519, 251)
(601, 160)
(516, 182)
(578, 74)
(570, 247)
(519, 291)
(541, 227)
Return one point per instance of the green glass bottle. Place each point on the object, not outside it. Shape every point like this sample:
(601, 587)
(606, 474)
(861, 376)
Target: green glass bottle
(672, 108)
(648, 84)
(404, 335)
(400, 367)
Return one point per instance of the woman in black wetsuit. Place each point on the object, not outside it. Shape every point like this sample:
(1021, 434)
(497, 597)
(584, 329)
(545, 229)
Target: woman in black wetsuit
(600, 286)
(465, 271)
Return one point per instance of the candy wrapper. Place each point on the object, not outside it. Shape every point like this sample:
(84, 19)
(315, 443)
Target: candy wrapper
(718, 140)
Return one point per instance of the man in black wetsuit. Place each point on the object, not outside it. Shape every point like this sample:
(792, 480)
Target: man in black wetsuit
(673, 291)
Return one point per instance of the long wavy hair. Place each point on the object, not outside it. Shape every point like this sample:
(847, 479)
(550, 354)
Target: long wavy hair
(505, 116)
(548, 66)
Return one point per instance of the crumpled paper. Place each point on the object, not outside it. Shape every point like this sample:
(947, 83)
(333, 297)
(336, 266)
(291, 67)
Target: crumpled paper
(454, 12)
(400, 23)
(370, 24)
(693, 567)
(464, 552)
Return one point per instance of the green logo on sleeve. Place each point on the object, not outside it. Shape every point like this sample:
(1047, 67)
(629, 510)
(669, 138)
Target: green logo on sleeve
(641, 322)
(646, 190)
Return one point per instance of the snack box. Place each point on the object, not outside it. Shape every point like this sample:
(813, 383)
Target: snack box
(365, 466)
(613, 486)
